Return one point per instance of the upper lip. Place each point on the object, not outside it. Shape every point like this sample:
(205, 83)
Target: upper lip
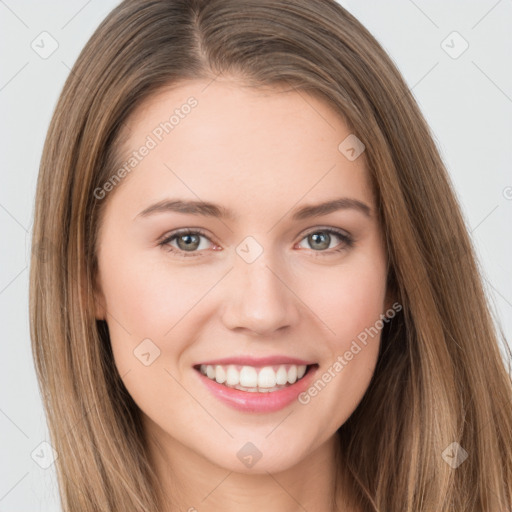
(256, 361)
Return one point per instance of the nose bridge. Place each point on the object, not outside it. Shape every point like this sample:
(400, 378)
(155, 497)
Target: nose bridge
(259, 299)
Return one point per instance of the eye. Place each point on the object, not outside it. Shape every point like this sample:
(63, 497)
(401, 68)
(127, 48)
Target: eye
(321, 239)
(186, 241)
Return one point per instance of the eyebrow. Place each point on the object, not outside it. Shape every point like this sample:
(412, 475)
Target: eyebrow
(208, 209)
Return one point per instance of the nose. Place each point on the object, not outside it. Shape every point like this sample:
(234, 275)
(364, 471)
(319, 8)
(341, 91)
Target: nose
(259, 299)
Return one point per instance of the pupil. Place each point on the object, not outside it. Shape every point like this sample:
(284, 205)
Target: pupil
(315, 238)
(188, 245)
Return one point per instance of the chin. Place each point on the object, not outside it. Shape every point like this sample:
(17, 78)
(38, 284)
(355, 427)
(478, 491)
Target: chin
(258, 456)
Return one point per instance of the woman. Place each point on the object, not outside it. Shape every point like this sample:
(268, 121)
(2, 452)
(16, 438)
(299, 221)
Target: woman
(261, 291)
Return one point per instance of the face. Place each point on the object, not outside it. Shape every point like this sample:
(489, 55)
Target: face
(257, 288)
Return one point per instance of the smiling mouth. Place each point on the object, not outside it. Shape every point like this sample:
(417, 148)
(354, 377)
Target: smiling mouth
(253, 379)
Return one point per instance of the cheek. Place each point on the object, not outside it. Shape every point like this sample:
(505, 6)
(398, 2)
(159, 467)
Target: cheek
(348, 300)
(144, 303)
(148, 300)
(152, 301)
(351, 306)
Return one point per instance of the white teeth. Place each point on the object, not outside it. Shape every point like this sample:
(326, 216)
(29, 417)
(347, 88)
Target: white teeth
(248, 377)
(233, 377)
(292, 374)
(220, 374)
(281, 376)
(252, 379)
(267, 377)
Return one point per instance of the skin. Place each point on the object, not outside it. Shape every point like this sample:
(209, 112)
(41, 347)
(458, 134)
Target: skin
(263, 154)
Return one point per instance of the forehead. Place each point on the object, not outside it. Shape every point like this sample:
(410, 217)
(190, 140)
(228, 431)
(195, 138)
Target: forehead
(227, 142)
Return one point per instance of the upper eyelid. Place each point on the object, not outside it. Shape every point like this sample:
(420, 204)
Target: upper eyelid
(184, 231)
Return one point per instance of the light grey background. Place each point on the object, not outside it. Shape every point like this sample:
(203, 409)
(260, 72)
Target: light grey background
(467, 101)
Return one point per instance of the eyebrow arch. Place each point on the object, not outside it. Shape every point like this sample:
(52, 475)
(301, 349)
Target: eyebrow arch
(208, 209)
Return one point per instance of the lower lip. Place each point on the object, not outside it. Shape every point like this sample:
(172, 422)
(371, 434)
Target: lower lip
(259, 402)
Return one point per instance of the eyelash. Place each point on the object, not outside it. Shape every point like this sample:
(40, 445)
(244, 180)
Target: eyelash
(347, 241)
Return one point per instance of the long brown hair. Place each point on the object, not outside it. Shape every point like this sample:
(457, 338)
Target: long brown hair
(440, 377)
